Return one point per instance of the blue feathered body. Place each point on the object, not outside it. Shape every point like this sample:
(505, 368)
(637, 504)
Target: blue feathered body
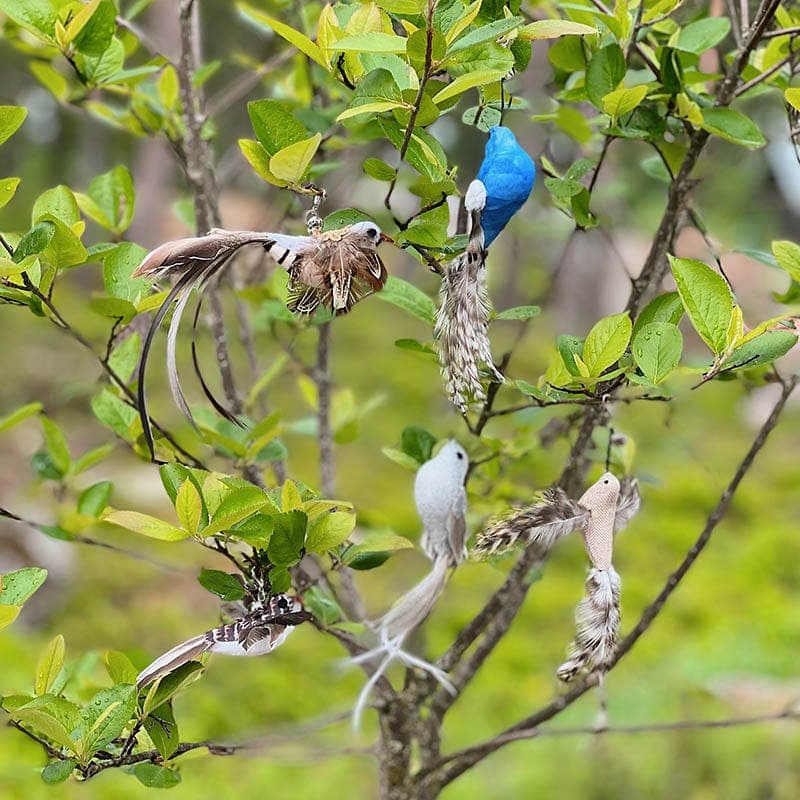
(508, 173)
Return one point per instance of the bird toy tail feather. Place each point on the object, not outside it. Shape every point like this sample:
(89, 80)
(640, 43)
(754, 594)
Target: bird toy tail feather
(462, 320)
(411, 610)
(174, 658)
(597, 619)
(408, 613)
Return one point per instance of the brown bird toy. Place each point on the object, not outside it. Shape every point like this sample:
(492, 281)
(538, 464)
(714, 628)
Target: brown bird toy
(334, 268)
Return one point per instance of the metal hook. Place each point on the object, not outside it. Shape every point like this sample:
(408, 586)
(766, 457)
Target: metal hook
(313, 219)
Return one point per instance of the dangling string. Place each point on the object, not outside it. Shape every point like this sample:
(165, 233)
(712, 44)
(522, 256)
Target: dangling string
(608, 448)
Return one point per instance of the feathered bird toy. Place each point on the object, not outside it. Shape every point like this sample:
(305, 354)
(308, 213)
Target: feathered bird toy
(504, 183)
(605, 508)
(441, 501)
(259, 630)
(334, 268)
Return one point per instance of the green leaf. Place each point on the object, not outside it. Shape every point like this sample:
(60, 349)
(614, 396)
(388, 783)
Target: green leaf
(322, 605)
(58, 202)
(377, 542)
(519, 313)
(792, 96)
(118, 266)
(58, 771)
(8, 614)
(405, 295)
(65, 248)
(707, 299)
(371, 560)
(606, 342)
(663, 308)
(156, 777)
(42, 714)
(236, 506)
(286, 544)
(274, 125)
(36, 16)
(468, 81)
(329, 531)
(105, 716)
(145, 525)
(34, 241)
(604, 73)
(166, 687)
(117, 415)
(280, 580)
(733, 126)
(553, 28)
(163, 730)
(623, 101)
(223, 585)
(417, 443)
(379, 170)
(56, 445)
(18, 586)
(657, 350)
(763, 349)
(11, 117)
(110, 200)
(568, 348)
(371, 43)
(49, 665)
(787, 256)
(92, 29)
(22, 413)
(485, 33)
(91, 458)
(125, 356)
(189, 506)
(258, 158)
(119, 667)
(8, 188)
(51, 79)
(93, 501)
(300, 41)
(291, 163)
(697, 37)
(378, 107)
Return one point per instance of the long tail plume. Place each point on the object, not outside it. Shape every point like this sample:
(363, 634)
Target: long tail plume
(597, 620)
(393, 627)
(462, 320)
(196, 260)
(174, 658)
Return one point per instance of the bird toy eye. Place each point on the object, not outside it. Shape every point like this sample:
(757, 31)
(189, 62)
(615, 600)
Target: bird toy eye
(459, 455)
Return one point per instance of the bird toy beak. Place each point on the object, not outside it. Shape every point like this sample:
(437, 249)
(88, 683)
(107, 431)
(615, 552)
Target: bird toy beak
(385, 238)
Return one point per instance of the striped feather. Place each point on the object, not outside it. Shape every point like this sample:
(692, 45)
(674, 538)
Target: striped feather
(174, 658)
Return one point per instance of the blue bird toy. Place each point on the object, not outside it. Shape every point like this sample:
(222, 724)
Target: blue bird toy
(508, 173)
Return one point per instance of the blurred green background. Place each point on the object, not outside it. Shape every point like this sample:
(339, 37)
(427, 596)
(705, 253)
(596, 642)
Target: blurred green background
(727, 643)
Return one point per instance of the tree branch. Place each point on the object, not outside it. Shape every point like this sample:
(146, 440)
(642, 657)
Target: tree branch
(451, 766)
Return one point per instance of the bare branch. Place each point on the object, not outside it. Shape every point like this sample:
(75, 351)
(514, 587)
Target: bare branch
(322, 377)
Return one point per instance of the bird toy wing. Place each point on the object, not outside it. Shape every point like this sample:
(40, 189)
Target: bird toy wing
(542, 524)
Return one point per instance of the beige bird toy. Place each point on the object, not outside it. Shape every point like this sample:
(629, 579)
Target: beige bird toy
(604, 509)
(334, 268)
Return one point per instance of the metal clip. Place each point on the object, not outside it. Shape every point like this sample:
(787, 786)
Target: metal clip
(313, 219)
